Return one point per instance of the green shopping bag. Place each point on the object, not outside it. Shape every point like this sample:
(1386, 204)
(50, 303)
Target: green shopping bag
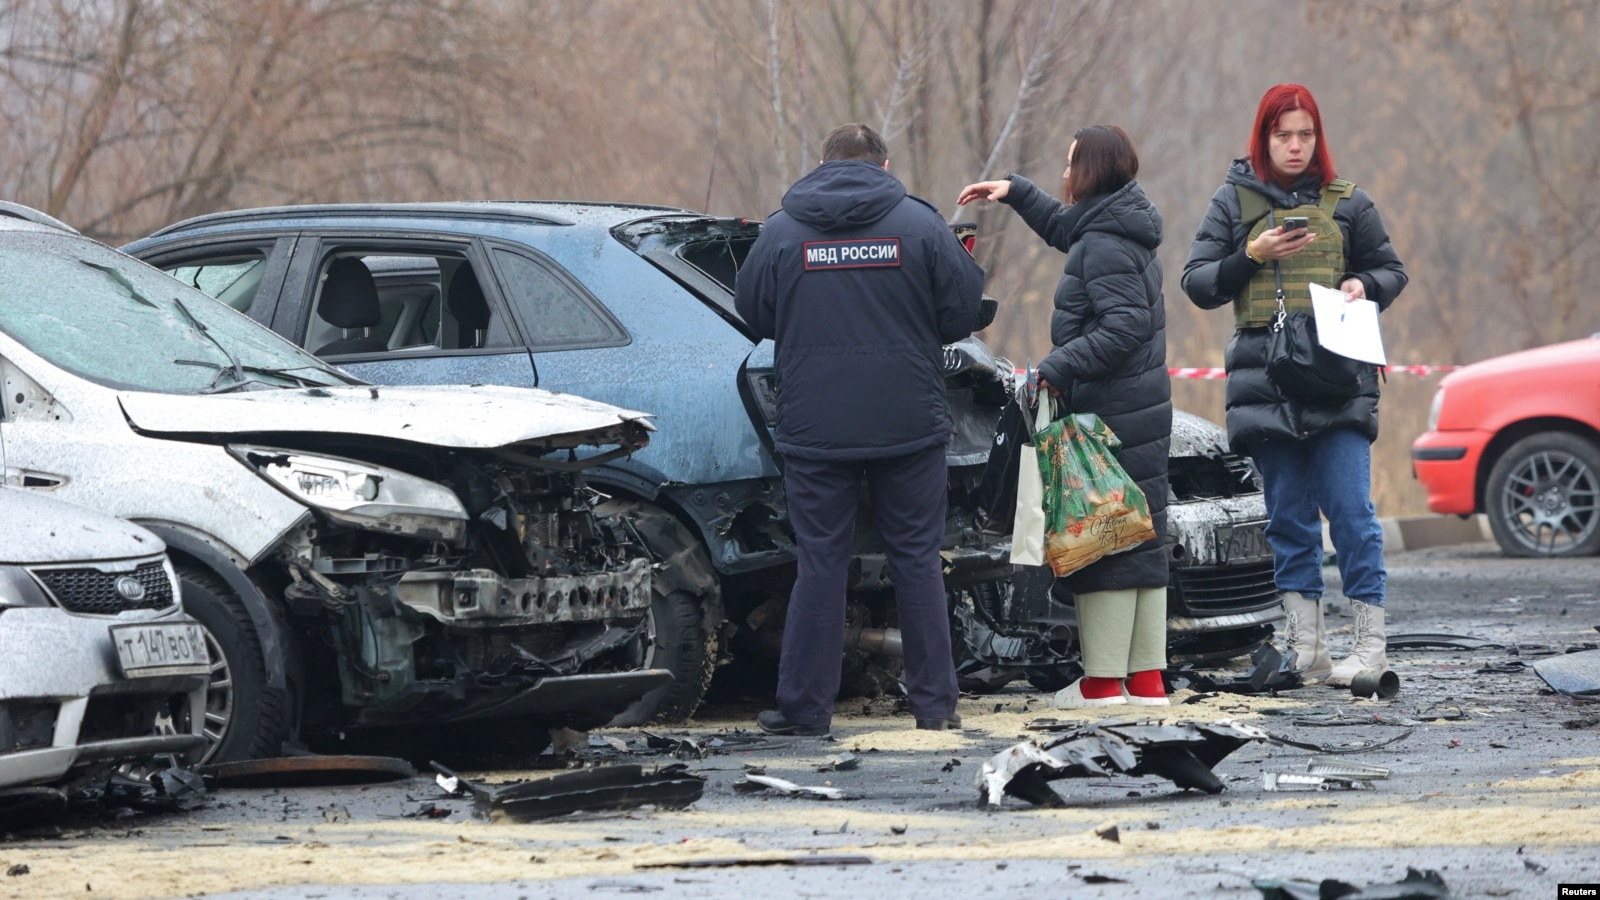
(1092, 508)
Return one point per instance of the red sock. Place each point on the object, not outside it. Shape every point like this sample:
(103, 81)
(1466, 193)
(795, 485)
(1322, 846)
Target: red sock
(1146, 684)
(1100, 688)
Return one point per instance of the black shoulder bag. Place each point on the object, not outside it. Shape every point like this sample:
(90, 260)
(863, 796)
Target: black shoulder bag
(1299, 365)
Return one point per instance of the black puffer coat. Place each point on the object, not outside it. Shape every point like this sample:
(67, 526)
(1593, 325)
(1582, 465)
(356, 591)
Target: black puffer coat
(1218, 271)
(1110, 358)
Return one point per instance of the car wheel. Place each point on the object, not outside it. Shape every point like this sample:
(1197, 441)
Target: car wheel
(1543, 496)
(245, 717)
(681, 634)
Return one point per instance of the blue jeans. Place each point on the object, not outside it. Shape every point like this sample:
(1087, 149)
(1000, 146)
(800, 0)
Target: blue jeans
(1326, 475)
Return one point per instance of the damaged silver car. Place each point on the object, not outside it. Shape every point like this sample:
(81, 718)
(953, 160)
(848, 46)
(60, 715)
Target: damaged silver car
(358, 556)
(98, 663)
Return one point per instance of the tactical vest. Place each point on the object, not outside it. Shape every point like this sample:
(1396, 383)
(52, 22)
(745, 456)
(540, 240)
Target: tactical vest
(1322, 262)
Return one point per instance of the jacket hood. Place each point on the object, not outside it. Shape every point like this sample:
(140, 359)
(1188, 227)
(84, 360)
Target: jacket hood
(844, 194)
(477, 417)
(40, 529)
(1305, 189)
(1125, 212)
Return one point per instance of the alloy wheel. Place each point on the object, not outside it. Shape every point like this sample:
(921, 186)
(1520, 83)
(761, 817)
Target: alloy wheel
(219, 698)
(1551, 502)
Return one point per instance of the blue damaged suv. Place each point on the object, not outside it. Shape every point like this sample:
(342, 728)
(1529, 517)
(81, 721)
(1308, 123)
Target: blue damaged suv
(633, 305)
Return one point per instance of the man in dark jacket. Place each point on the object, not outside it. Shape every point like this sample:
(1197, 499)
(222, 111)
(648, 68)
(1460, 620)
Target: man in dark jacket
(860, 285)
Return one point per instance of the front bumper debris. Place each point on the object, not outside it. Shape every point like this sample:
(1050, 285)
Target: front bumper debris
(484, 598)
(1182, 752)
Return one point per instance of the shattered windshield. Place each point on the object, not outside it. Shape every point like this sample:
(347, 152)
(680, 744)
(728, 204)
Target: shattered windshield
(113, 320)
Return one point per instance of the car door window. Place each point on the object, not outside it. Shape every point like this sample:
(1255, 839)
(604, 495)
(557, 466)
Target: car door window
(555, 314)
(233, 279)
(385, 301)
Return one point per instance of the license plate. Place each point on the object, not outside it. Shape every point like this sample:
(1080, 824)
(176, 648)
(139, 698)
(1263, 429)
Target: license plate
(146, 651)
(1242, 542)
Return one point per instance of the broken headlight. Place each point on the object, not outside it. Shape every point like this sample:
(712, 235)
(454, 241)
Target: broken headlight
(359, 494)
(18, 589)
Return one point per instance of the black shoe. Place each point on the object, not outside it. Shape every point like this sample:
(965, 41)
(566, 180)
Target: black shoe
(773, 722)
(953, 723)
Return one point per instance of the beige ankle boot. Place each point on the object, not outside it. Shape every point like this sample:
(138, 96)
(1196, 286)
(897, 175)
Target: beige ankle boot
(1306, 639)
(1370, 648)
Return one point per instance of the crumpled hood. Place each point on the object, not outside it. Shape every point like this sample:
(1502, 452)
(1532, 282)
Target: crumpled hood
(1125, 212)
(40, 529)
(476, 417)
(844, 194)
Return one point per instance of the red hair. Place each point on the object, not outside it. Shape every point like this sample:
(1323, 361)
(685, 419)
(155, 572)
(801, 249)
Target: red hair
(1274, 103)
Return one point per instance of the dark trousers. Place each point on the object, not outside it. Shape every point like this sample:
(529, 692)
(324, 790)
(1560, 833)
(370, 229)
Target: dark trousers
(908, 504)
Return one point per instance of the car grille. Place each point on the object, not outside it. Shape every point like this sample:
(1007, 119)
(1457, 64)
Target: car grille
(1217, 590)
(94, 592)
(1241, 471)
(1206, 477)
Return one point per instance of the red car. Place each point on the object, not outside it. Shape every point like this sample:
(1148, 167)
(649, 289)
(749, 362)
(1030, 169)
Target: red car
(1517, 438)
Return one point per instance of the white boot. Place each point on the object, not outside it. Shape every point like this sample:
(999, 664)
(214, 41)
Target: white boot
(1370, 648)
(1306, 639)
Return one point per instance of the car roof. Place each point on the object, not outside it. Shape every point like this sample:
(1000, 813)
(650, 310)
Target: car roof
(535, 212)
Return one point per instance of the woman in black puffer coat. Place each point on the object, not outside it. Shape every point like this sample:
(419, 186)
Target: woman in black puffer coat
(1315, 458)
(1110, 359)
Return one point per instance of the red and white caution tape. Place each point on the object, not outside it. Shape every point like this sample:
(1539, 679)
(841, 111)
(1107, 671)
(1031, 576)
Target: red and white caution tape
(1219, 374)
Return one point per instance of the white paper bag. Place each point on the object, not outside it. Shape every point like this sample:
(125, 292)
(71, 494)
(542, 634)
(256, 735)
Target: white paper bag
(1027, 534)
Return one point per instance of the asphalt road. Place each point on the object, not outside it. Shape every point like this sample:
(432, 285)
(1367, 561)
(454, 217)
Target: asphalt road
(1497, 788)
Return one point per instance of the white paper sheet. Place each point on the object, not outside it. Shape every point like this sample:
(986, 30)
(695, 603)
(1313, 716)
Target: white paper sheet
(1347, 327)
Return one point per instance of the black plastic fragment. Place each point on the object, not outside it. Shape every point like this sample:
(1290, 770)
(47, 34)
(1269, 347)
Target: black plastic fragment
(599, 788)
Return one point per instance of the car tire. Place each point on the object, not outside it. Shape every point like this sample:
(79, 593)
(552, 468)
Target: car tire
(685, 616)
(1542, 497)
(246, 718)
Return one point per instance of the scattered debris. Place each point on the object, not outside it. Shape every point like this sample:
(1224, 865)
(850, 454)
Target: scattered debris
(740, 862)
(599, 788)
(336, 813)
(1352, 747)
(1109, 832)
(17, 869)
(1440, 641)
(844, 762)
(166, 789)
(1573, 674)
(950, 766)
(843, 829)
(1326, 773)
(427, 811)
(1424, 885)
(1293, 781)
(1380, 685)
(898, 829)
(1343, 768)
(1269, 672)
(1534, 867)
(1182, 752)
(681, 747)
(1101, 879)
(756, 782)
(624, 887)
(307, 771)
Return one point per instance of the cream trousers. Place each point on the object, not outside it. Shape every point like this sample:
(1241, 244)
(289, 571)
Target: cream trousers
(1122, 632)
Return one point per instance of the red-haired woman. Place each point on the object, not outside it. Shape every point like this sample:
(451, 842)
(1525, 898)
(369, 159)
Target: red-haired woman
(1314, 457)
